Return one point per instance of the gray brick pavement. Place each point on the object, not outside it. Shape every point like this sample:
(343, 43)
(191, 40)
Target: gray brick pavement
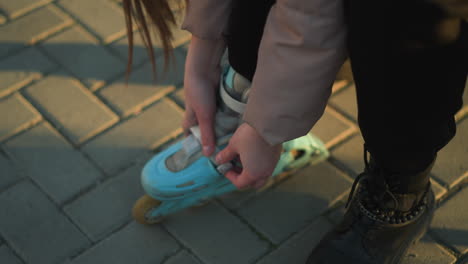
(133, 244)
(31, 28)
(34, 226)
(136, 136)
(450, 222)
(108, 206)
(92, 13)
(428, 252)
(183, 257)
(333, 128)
(19, 7)
(71, 107)
(24, 115)
(140, 91)
(297, 248)
(345, 101)
(452, 163)
(296, 202)
(216, 236)
(7, 256)
(51, 161)
(8, 172)
(79, 52)
(20, 69)
(94, 51)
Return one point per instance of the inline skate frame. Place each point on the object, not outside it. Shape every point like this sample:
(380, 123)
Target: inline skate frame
(181, 177)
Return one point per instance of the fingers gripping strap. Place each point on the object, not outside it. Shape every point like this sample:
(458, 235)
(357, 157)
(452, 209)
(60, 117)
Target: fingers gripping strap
(231, 102)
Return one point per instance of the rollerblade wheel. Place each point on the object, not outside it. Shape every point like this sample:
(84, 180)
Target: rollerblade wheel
(145, 204)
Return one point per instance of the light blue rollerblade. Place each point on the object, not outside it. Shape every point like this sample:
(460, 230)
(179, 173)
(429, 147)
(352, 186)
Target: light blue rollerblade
(180, 176)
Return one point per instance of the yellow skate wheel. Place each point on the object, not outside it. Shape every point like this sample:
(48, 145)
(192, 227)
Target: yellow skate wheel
(142, 207)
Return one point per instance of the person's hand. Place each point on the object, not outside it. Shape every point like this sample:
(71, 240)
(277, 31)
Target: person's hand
(257, 157)
(201, 81)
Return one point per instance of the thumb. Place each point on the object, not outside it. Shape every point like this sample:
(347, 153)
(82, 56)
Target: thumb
(226, 155)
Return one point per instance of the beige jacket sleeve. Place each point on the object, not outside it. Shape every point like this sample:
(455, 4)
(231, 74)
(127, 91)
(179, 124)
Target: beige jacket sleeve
(302, 49)
(207, 19)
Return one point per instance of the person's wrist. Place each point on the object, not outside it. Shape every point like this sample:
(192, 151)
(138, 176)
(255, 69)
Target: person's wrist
(204, 56)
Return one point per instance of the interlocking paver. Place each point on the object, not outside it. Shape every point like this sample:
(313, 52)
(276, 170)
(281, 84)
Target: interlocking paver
(450, 221)
(331, 128)
(35, 228)
(16, 114)
(7, 256)
(30, 28)
(71, 107)
(92, 13)
(350, 154)
(291, 205)
(183, 257)
(215, 235)
(79, 52)
(107, 207)
(451, 166)
(127, 141)
(141, 90)
(52, 162)
(345, 101)
(428, 252)
(180, 97)
(133, 244)
(20, 69)
(7, 172)
(19, 7)
(297, 248)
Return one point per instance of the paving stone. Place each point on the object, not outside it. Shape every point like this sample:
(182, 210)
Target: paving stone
(180, 97)
(346, 101)
(107, 207)
(52, 162)
(428, 252)
(136, 136)
(7, 256)
(215, 235)
(331, 128)
(71, 107)
(450, 221)
(338, 85)
(141, 90)
(183, 257)
(451, 166)
(297, 248)
(133, 244)
(19, 7)
(29, 29)
(7, 172)
(80, 53)
(35, 228)
(140, 53)
(16, 114)
(294, 203)
(19, 70)
(92, 13)
(350, 154)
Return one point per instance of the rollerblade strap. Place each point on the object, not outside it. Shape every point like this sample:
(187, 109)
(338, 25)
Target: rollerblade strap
(232, 103)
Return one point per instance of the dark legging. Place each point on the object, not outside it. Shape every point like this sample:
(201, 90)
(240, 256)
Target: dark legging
(408, 84)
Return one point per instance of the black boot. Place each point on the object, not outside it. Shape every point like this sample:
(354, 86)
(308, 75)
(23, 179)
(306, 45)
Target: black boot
(381, 221)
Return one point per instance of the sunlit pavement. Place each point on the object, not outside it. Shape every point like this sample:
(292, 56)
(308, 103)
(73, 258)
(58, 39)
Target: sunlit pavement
(74, 137)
